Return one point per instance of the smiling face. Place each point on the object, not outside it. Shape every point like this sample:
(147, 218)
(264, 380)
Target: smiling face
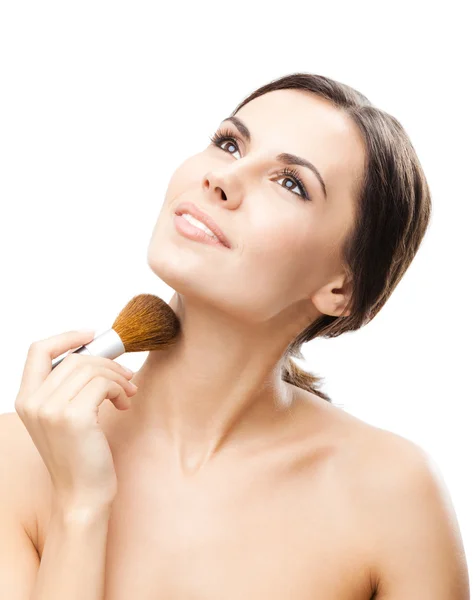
(285, 249)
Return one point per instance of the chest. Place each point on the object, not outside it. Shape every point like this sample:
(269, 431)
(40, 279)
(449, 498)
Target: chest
(247, 533)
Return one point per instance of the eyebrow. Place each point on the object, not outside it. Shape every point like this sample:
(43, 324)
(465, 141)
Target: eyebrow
(285, 157)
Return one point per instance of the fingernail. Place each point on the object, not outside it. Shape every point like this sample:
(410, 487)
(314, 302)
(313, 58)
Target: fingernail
(127, 369)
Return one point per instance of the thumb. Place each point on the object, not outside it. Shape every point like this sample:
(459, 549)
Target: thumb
(38, 363)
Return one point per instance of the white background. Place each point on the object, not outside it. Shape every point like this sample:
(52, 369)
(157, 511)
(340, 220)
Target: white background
(101, 101)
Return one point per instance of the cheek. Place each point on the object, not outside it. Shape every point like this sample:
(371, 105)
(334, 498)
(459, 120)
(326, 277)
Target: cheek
(188, 176)
(276, 260)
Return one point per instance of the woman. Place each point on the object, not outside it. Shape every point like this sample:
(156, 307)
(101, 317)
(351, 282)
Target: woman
(237, 477)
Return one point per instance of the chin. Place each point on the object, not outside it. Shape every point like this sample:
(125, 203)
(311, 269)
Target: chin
(192, 274)
(179, 272)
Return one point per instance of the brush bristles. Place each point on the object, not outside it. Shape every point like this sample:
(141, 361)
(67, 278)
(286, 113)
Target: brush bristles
(146, 323)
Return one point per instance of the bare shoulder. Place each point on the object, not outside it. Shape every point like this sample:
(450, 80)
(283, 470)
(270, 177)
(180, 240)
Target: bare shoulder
(381, 462)
(366, 460)
(15, 439)
(406, 512)
(403, 509)
(363, 443)
(22, 470)
(414, 526)
(387, 463)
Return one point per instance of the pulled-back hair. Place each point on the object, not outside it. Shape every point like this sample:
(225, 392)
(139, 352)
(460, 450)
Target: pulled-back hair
(393, 209)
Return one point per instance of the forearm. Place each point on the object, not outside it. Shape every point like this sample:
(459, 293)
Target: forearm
(73, 560)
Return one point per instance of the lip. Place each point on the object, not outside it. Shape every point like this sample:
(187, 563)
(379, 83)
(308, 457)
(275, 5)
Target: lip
(196, 212)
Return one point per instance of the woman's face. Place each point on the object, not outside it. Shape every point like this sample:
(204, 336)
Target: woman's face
(285, 249)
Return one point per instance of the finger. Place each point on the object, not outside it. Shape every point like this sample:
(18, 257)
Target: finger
(126, 391)
(68, 391)
(38, 364)
(99, 389)
(73, 362)
(83, 414)
(28, 407)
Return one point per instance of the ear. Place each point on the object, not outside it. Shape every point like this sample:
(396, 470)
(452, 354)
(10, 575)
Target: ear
(333, 298)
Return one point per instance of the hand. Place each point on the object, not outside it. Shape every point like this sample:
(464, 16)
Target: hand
(59, 407)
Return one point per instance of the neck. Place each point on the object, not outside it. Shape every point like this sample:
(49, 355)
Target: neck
(219, 386)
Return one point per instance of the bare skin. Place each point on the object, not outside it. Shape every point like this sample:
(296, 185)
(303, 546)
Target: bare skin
(232, 483)
(313, 509)
(270, 519)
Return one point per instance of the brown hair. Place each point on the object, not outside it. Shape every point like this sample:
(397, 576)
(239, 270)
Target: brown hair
(393, 212)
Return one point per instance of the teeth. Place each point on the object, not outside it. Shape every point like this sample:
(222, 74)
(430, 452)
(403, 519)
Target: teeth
(198, 224)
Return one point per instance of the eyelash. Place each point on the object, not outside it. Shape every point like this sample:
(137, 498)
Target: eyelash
(223, 135)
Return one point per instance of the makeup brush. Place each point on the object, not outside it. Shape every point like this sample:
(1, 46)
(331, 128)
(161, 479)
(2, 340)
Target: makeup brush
(146, 323)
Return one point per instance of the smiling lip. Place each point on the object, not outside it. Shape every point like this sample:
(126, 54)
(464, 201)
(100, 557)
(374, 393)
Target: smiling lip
(192, 209)
(192, 232)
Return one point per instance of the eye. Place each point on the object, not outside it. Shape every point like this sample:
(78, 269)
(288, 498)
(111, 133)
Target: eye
(294, 179)
(225, 136)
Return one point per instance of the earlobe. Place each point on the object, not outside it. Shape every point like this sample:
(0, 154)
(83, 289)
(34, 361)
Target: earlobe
(341, 303)
(333, 299)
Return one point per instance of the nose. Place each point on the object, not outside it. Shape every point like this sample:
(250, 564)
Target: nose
(211, 185)
(232, 182)
(223, 185)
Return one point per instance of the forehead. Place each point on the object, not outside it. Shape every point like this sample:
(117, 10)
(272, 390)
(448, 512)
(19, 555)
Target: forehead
(302, 123)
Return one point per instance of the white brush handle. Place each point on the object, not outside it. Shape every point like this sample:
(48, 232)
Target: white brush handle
(107, 344)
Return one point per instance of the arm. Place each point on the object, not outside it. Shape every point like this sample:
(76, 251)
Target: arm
(72, 564)
(73, 560)
(19, 561)
(419, 546)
